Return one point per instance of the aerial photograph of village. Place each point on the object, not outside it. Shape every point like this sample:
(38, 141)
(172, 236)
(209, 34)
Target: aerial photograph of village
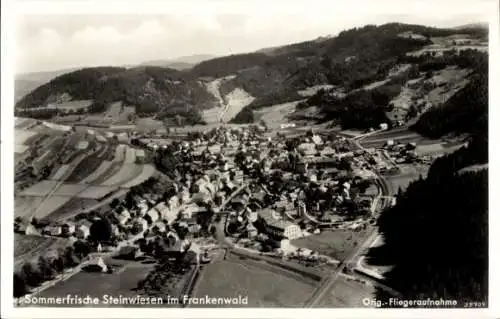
(328, 169)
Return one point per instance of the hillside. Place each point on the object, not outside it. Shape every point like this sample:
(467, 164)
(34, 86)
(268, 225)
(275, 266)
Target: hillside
(181, 63)
(423, 233)
(375, 66)
(151, 90)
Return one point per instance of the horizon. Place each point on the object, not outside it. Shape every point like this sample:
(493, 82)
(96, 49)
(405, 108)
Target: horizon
(91, 40)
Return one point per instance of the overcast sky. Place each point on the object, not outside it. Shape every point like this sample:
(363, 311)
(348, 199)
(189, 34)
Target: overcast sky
(51, 42)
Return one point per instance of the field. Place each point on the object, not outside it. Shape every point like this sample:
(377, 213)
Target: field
(275, 115)
(49, 205)
(26, 205)
(147, 172)
(347, 293)
(408, 173)
(236, 100)
(40, 189)
(338, 244)
(127, 172)
(146, 124)
(28, 247)
(101, 169)
(263, 287)
(21, 136)
(71, 206)
(71, 105)
(60, 172)
(123, 282)
(96, 192)
(69, 190)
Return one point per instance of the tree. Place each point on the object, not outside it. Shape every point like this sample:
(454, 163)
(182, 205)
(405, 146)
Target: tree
(46, 269)
(20, 286)
(101, 230)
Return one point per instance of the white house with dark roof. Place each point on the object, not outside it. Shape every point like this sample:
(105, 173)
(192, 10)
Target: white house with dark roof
(279, 227)
(152, 216)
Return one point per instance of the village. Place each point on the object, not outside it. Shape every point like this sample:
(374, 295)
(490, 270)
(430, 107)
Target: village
(240, 188)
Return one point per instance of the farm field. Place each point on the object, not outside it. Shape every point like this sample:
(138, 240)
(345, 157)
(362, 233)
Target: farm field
(60, 172)
(74, 204)
(70, 105)
(96, 192)
(24, 206)
(347, 293)
(28, 247)
(69, 190)
(148, 170)
(408, 173)
(123, 282)
(49, 205)
(276, 115)
(40, 189)
(21, 136)
(101, 169)
(19, 148)
(127, 172)
(263, 288)
(338, 244)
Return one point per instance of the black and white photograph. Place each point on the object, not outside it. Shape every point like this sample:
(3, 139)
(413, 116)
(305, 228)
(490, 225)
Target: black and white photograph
(238, 154)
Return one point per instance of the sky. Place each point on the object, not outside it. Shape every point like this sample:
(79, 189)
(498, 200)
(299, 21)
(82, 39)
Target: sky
(59, 41)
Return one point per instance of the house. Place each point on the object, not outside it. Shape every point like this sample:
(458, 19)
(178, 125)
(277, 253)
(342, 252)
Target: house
(123, 216)
(142, 208)
(166, 213)
(82, 145)
(159, 227)
(83, 230)
(152, 216)
(140, 155)
(53, 230)
(279, 227)
(384, 126)
(68, 229)
(122, 137)
(251, 231)
(129, 253)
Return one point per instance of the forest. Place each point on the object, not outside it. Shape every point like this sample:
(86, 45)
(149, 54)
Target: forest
(436, 236)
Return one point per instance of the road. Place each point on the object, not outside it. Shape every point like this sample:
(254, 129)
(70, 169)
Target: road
(328, 283)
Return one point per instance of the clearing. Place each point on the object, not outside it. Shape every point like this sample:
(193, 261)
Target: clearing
(235, 100)
(276, 115)
(338, 243)
(408, 173)
(264, 288)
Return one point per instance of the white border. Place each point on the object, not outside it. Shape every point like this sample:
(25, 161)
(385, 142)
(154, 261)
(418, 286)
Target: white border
(226, 6)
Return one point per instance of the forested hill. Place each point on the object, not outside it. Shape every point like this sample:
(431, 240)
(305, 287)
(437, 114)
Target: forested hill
(354, 58)
(436, 237)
